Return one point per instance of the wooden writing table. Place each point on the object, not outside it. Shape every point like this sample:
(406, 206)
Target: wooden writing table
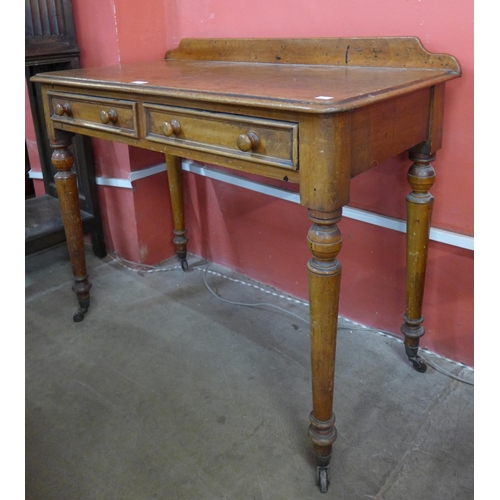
(316, 112)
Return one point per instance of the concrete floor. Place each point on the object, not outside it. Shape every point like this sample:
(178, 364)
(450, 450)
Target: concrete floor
(166, 392)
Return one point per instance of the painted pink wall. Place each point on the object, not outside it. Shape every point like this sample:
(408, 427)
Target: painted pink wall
(265, 238)
(113, 32)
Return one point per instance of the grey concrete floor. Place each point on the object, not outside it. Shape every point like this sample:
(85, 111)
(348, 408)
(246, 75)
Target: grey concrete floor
(166, 392)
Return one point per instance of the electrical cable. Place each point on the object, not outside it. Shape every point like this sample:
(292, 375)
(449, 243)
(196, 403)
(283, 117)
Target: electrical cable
(445, 372)
(145, 268)
(253, 304)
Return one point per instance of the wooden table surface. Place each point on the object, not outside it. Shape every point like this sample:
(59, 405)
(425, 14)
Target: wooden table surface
(313, 88)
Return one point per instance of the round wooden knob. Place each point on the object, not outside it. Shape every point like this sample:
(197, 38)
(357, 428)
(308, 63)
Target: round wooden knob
(63, 109)
(248, 141)
(109, 116)
(174, 127)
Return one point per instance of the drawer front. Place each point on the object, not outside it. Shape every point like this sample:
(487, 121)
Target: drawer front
(110, 115)
(270, 142)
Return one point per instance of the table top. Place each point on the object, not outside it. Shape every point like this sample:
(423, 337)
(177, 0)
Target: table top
(298, 80)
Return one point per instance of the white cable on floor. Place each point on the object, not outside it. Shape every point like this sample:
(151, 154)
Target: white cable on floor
(444, 372)
(253, 304)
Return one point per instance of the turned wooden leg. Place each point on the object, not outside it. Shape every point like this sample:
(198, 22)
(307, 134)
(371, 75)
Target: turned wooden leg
(67, 191)
(174, 171)
(325, 241)
(419, 209)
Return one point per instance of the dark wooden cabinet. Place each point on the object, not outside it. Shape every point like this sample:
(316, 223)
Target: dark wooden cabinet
(50, 45)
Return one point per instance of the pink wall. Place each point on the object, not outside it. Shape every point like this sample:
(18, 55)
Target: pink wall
(263, 237)
(117, 32)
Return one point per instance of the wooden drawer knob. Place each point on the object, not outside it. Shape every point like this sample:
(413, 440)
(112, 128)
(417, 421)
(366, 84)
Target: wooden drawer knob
(174, 127)
(63, 109)
(248, 141)
(109, 116)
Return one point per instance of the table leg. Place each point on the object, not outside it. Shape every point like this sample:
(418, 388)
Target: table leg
(325, 241)
(174, 171)
(67, 192)
(419, 204)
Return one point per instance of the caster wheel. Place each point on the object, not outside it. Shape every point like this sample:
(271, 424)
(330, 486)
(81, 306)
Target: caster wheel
(78, 316)
(418, 364)
(323, 479)
(184, 265)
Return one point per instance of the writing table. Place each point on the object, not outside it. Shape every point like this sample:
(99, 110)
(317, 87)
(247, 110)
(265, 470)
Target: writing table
(315, 112)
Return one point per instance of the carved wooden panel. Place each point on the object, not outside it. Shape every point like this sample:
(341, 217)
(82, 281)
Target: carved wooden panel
(49, 28)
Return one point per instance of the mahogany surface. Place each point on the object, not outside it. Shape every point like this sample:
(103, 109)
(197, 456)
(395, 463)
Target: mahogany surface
(311, 111)
(272, 86)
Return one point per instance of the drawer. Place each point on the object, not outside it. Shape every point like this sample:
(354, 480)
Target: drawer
(270, 142)
(110, 115)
